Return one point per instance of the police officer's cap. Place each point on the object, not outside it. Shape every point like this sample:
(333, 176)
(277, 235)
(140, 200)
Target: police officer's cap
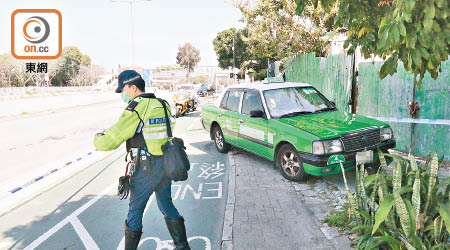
(130, 77)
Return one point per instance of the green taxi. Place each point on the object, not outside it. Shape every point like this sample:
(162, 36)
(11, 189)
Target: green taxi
(295, 126)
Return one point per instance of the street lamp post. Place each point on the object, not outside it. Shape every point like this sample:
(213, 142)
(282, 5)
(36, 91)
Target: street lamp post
(131, 24)
(234, 62)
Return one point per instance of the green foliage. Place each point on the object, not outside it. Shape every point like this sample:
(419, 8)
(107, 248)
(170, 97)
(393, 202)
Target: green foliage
(393, 218)
(223, 46)
(340, 219)
(416, 32)
(276, 32)
(261, 75)
(68, 65)
(188, 56)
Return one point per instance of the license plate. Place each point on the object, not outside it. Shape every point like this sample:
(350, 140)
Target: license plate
(364, 157)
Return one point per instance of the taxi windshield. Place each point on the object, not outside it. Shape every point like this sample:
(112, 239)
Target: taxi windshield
(288, 102)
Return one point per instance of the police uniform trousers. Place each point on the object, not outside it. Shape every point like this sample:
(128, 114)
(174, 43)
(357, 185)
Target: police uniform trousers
(143, 184)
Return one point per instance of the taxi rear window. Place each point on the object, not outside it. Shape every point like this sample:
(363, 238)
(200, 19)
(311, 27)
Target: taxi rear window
(231, 100)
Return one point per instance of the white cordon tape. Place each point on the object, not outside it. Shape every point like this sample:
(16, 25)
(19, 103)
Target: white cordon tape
(411, 120)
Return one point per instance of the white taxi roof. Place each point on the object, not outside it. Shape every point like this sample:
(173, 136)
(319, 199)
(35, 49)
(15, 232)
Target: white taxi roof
(268, 86)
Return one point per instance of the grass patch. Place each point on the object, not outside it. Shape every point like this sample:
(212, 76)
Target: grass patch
(340, 219)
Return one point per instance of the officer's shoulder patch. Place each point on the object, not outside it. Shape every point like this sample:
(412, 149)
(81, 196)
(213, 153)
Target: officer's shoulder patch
(132, 105)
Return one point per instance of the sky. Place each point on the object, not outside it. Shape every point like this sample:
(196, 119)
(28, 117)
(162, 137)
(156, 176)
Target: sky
(101, 28)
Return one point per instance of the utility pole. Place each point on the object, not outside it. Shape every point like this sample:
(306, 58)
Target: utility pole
(131, 24)
(189, 67)
(234, 62)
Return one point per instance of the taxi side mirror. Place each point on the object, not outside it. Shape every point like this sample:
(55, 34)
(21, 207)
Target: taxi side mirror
(257, 113)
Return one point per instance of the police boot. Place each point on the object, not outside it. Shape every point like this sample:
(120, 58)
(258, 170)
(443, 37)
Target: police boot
(178, 232)
(132, 238)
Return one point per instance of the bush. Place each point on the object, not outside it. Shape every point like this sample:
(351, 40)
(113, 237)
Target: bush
(340, 219)
(409, 209)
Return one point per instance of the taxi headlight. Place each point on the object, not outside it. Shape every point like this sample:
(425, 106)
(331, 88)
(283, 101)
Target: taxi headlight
(327, 147)
(386, 134)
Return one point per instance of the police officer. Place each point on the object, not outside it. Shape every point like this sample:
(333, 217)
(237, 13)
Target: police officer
(144, 117)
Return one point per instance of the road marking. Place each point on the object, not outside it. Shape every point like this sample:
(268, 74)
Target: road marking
(85, 237)
(167, 244)
(5, 243)
(200, 193)
(197, 195)
(193, 124)
(121, 245)
(211, 170)
(68, 219)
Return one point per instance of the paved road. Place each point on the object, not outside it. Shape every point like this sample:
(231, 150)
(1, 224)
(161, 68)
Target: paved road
(32, 144)
(85, 213)
(55, 130)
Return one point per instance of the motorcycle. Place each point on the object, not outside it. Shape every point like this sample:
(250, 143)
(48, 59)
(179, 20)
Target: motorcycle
(181, 106)
(184, 104)
(192, 104)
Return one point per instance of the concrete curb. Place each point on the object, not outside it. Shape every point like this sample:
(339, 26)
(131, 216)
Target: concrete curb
(48, 173)
(227, 232)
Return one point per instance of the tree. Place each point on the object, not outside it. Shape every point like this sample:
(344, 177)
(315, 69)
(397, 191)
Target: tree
(276, 32)
(68, 65)
(188, 57)
(415, 32)
(6, 70)
(223, 46)
(85, 60)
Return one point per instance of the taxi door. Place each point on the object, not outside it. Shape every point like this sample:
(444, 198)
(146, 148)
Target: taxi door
(228, 120)
(253, 135)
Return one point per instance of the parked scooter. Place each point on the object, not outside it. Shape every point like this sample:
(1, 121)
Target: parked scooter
(192, 104)
(184, 104)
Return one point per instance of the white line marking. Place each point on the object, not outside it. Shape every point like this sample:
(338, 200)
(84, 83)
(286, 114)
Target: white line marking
(121, 245)
(85, 237)
(168, 244)
(68, 219)
(5, 243)
(193, 124)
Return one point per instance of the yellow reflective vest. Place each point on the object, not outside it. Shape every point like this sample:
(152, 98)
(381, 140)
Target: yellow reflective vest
(154, 130)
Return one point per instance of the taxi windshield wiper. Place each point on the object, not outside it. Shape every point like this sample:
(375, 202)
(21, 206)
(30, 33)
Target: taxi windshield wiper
(325, 109)
(296, 113)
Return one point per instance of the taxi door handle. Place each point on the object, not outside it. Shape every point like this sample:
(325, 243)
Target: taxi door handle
(241, 121)
(219, 115)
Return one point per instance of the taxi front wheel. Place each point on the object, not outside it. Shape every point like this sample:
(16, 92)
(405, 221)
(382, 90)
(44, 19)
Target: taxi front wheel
(290, 164)
(221, 145)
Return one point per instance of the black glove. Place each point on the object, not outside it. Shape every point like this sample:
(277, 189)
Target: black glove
(102, 133)
(124, 187)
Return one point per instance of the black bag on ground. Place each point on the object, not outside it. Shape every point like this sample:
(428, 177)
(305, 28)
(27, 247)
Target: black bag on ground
(175, 161)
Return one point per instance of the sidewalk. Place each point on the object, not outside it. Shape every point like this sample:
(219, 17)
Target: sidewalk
(271, 212)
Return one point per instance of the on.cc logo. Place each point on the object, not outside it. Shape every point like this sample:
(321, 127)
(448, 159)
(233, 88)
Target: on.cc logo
(36, 34)
(39, 26)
